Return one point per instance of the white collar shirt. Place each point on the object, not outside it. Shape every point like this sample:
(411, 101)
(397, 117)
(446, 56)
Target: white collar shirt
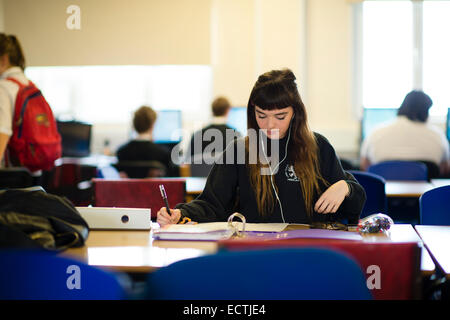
(404, 139)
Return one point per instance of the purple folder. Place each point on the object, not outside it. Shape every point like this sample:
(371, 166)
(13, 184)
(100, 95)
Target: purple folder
(258, 235)
(304, 233)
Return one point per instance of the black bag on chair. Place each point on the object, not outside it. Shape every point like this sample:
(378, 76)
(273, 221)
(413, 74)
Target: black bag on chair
(36, 219)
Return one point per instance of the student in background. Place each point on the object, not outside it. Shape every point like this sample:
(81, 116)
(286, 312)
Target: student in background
(409, 138)
(143, 149)
(220, 109)
(12, 65)
(307, 184)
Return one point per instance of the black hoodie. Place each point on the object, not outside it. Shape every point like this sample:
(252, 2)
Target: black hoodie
(228, 190)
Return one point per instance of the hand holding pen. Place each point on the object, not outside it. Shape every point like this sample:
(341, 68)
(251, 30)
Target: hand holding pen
(166, 215)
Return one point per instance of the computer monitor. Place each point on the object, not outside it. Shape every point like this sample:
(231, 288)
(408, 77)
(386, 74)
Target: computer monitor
(76, 138)
(168, 127)
(374, 117)
(237, 119)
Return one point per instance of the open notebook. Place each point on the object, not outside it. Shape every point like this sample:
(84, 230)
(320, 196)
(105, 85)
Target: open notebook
(212, 230)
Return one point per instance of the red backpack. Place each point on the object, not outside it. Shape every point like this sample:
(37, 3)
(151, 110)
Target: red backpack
(35, 142)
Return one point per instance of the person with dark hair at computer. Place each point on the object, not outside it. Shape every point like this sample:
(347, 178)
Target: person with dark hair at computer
(409, 137)
(302, 183)
(212, 139)
(141, 157)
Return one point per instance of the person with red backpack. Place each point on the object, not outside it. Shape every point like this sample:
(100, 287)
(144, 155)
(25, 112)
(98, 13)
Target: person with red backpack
(28, 132)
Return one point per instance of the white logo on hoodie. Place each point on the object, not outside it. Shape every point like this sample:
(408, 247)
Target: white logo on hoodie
(290, 173)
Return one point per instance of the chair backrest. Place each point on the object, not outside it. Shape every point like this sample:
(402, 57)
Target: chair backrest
(374, 185)
(386, 277)
(400, 170)
(433, 169)
(435, 206)
(15, 177)
(142, 169)
(138, 193)
(72, 180)
(307, 273)
(47, 276)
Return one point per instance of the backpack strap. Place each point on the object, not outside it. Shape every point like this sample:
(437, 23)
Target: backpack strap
(7, 159)
(20, 84)
(22, 87)
(22, 104)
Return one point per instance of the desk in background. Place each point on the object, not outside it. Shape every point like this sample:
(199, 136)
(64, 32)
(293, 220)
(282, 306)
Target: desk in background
(440, 182)
(137, 252)
(95, 160)
(403, 199)
(407, 189)
(195, 186)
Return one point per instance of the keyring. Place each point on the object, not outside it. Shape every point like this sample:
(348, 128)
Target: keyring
(235, 229)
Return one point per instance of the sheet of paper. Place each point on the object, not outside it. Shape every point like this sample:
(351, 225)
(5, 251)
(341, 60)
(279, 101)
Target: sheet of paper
(203, 236)
(217, 226)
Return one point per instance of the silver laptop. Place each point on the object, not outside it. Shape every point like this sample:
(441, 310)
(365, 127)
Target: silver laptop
(116, 218)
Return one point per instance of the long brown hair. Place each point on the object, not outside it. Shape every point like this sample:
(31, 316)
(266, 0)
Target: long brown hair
(277, 89)
(10, 45)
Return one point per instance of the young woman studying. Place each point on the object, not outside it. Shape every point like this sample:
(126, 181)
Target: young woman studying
(306, 184)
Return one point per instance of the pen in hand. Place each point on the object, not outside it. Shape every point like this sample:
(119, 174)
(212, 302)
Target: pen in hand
(164, 196)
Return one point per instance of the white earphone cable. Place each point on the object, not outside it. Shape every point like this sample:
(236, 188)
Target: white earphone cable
(276, 168)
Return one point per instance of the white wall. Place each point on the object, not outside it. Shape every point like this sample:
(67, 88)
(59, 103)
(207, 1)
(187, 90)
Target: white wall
(240, 39)
(330, 48)
(250, 37)
(311, 37)
(2, 16)
(112, 31)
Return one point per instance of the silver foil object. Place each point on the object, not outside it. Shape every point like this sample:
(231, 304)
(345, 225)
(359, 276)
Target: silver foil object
(375, 223)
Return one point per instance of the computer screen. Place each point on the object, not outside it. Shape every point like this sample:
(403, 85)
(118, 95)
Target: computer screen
(168, 127)
(237, 119)
(76, 138)
(374, 117)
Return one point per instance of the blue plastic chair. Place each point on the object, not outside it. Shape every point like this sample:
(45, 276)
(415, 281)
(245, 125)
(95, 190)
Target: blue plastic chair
(295, 273)
(374, 185)
(400, 170)
(42, 275)
(435, 206)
